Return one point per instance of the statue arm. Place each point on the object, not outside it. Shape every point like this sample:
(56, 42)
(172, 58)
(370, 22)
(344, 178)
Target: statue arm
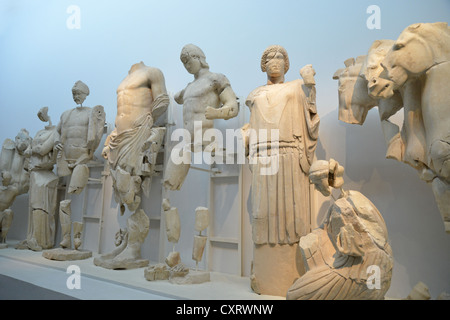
(179, 97)
(105, 151)
(45, 147)
(96, 127)
(245, 131)
(57, 141)
(160, 97)
(227, 97)
(156, 82)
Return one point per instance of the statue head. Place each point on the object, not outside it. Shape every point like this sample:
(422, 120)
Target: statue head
(43, 114)
(80, 91)
(23, 140)
(6, 178)
(270, 53)
(192, 52)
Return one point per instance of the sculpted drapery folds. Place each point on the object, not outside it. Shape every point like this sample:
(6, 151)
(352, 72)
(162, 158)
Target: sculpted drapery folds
(132, 147)
(131, 151)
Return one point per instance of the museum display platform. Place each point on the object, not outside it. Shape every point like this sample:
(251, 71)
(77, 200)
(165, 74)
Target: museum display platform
(102, 284)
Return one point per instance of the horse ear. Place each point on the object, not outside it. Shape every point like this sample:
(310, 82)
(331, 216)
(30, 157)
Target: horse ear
(375, 44)
(349, 62)
(360, 59)
(337, 74)
(414, 26)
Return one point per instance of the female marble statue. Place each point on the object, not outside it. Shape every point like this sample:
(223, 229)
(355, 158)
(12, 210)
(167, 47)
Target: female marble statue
(281, 198)
(43, 188)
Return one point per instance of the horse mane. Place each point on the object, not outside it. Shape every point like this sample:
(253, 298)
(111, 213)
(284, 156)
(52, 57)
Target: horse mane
(438, 32)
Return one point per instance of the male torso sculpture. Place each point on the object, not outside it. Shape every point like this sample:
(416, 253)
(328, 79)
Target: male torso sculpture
(80, 130)
(208, 97)
(132, 146)
(131, 150)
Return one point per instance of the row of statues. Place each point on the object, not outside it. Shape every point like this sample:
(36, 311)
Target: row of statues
(69, 146)
(289, 257)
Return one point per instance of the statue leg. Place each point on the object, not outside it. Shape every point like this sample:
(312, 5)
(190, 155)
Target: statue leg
(79, 179)
(77, 230)
(39, 222)
(440, 155)
(66, 223)
(5, 223)
(138, 226)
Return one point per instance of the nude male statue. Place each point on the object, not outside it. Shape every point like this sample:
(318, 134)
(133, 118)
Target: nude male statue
(80, 130)
(208, 97)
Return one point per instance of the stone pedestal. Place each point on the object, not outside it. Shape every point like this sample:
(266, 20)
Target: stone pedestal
(61, 254)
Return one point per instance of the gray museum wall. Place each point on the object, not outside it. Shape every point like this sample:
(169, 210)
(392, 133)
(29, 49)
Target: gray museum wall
(41, 59)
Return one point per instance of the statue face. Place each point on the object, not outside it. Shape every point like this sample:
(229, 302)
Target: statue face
(79, 96)
(192, 64)
(275, 65)
(22, 141)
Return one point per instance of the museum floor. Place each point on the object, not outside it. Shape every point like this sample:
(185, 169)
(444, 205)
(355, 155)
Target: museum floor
(24, 272)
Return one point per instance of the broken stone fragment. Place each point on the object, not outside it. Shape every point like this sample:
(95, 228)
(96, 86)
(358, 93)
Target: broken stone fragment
(180, 270)
(173, 259)
(157, 272)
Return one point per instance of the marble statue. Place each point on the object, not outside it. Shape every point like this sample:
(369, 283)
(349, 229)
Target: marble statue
(131, 150)
(65, 218)
(209, 96)
(280, 161)
(418, 64)
(348, 257)
(127, 255)
(8, 193)
(201, 223)
(407, 73)
(80, 131)
(358, 93)
(132, 146)
(14, 159)
(65, 252)
(174, 270)
(15, 176)
(43, 188)
(173, 230)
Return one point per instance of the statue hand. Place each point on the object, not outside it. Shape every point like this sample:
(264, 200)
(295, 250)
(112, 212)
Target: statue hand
(210, 113)
(105, 152)
(308, 73)
(59, 146)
